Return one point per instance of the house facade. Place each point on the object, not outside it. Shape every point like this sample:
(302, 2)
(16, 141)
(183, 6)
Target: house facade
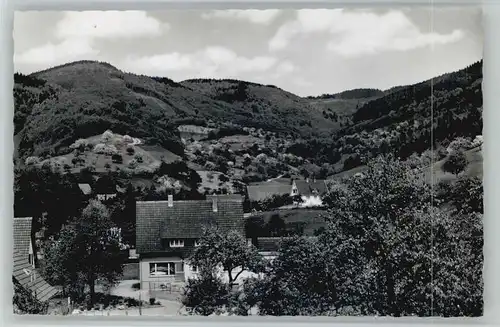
(168, 231)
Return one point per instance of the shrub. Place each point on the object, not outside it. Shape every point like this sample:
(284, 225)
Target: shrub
(138, 158)
(106, 136)
(455, 163)
(117, 158)
(101, 148)
(128, 139)
(31, 161)
(107, 165)
(136, 286)
(132, 164)
(152, 301)
(130, 150)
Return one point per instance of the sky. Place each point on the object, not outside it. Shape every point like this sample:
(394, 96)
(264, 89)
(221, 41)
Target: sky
(306, 51)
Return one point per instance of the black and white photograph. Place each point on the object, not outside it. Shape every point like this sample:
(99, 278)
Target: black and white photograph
(248, 162)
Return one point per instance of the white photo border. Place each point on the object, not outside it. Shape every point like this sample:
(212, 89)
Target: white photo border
(491, 121)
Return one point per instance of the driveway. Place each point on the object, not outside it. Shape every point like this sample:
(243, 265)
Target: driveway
(168, 307)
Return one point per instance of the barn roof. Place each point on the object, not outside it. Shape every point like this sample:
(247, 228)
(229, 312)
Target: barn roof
(22, 229)
(85, 188)
(184, 220)
(29, 278)
(264, 191)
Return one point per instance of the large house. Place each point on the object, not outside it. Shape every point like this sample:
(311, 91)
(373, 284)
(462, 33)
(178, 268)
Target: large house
(23, 256)
(168, 231)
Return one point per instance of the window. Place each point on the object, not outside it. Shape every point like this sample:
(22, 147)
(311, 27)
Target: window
(195, 269)
(197, 243)
(162, 269)
(177, 243)
(295, 191)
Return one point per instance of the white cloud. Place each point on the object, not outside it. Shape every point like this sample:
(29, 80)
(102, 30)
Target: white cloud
(255, 16)
(359, 33)
(52, 54)
(77, 31)
(213, 62)
(109, 24)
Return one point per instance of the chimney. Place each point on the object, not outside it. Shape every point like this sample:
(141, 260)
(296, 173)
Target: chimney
(214, 204)
(170, 200)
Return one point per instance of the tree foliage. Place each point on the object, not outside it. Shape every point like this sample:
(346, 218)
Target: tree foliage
(86, 250)
(456, 162)
(228, 250)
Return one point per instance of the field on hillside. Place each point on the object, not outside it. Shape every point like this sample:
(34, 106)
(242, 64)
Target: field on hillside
(474, 168)
(97, 152)
(211, 181)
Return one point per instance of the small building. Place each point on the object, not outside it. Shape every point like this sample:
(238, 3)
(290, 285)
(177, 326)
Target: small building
(310, 191)
(168, 231)
(86, 189)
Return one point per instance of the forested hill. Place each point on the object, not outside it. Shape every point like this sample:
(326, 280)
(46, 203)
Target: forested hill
(401, 121)
(56, 106)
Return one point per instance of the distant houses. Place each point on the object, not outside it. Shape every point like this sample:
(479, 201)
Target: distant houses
(310, 191)
(100, 193)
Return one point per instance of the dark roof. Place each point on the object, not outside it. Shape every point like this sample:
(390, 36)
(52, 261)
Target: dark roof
(86, 189)
(311, 187)
(155, 220)
(29, 278)
(22, 235)
(267, 190)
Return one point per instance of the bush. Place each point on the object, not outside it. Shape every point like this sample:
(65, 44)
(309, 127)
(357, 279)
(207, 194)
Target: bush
(101, 148)
(130, 150)
(152, 301)
(455, 163)
(106, 136)
(117, 158)
(138, 158)
(31, 161)
(136, 286)
(132, 164)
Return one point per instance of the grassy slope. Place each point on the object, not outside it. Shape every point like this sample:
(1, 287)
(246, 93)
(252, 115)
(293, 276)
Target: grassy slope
(474, 168)
(152, 156)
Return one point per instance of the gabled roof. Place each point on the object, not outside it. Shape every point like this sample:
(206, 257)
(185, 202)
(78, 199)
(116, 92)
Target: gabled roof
(30, 279)
(311, 187)
(22, 229)
(85, 188)
(267, 190)
(155, 220)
